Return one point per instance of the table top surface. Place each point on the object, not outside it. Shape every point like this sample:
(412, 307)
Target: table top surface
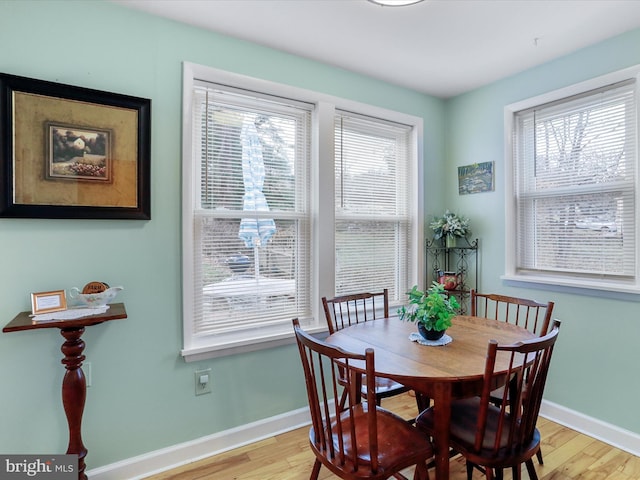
(405, 361)
(24, 321)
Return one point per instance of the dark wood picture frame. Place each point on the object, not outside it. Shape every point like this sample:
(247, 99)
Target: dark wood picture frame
(29, 148)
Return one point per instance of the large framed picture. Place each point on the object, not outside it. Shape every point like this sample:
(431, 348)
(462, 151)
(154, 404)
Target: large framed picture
(72, 152)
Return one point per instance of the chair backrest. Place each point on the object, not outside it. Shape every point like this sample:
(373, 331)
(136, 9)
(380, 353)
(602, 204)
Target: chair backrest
(529, 314)
(511, 426)
(348, 310)
(338, 432)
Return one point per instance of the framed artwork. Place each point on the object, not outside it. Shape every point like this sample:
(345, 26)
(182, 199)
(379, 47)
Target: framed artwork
(476, 178)
(72, 152)
(47, 302)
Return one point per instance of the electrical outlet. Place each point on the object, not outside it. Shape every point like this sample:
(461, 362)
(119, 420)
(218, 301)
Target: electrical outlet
(203, 381)
(86, 368)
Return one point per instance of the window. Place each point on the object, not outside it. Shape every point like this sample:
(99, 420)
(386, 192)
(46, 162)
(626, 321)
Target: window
(574, 187)
(372, 192)
(263, 240)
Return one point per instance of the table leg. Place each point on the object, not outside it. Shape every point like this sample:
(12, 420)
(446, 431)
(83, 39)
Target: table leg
(442, 420)
(74, 392)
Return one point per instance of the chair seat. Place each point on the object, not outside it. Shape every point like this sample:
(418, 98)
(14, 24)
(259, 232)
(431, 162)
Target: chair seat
(464, 417)
(393, 454)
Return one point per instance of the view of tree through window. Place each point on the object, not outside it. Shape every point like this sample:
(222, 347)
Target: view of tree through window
(575, 190)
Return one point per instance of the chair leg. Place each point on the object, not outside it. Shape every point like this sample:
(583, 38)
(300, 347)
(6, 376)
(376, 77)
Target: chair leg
(422, 401)
(516, 472)
(489, 473)
(343, 399)
(531, 469)
(316, 470)
(421, 472)
(539, 455)
(469, 470)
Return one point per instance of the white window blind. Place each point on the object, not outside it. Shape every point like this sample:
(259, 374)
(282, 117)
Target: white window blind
(575, 185)
(251, 227)
(257, 237)
(372, 205)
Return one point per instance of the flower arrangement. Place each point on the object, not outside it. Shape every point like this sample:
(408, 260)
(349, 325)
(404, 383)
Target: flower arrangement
(450, 224)
(434, 309)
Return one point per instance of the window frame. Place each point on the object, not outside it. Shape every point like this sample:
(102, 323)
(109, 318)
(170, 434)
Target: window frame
(512, 273)
(322, 214)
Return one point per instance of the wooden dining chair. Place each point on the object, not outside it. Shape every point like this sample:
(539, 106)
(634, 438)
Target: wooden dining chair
(530, 314)
(490, 437)
(357, 440)
(348, 310)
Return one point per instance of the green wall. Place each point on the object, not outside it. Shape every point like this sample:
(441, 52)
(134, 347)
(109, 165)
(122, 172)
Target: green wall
(597, 351)
(142, 398)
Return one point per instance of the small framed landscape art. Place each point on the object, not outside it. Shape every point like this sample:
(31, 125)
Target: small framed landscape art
(78, 153)
(72, 152)
(476, 178)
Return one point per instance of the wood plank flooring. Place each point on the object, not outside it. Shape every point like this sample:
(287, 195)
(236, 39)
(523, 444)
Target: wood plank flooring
(568, 455)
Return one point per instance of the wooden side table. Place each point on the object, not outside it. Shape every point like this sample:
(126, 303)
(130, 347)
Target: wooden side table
(74, 385)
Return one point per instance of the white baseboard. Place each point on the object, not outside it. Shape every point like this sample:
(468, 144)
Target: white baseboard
(171, 457)
(605, 432)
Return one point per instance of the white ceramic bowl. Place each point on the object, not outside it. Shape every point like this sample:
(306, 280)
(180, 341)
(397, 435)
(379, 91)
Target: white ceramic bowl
(93, 300)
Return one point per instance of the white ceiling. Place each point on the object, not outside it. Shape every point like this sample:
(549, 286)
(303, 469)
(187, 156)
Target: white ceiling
(439, 47)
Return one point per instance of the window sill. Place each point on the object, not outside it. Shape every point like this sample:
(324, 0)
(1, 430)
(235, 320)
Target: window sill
(580, 286)
(222, 345)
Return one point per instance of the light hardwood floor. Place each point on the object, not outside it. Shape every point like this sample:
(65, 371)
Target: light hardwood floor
(567, 455)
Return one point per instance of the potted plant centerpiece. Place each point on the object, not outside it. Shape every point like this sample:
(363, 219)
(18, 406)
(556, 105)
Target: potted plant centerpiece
(450, 226)
(432, 310)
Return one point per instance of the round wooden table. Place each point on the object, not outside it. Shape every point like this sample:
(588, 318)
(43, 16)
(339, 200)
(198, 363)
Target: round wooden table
(443, 373)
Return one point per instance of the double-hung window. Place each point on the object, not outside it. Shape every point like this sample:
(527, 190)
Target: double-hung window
(288, 196)
(573, 215)
(247, 227)
(373, 192)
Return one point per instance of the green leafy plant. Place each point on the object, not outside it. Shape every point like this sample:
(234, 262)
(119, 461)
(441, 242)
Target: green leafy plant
(433, 308)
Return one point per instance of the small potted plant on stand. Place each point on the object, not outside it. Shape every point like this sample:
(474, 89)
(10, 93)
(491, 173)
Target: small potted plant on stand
(450, 226)
(431, 310)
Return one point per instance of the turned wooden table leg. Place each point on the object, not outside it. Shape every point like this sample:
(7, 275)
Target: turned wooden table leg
(74, 392)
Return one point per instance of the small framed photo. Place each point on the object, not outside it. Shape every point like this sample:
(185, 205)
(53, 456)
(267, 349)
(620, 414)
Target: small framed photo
(47, 302)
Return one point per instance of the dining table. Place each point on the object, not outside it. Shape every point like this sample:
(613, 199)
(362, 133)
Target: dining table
(442, 372)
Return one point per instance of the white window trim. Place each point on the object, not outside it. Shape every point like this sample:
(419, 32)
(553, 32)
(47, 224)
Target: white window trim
(511, 273)
(322, 205)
